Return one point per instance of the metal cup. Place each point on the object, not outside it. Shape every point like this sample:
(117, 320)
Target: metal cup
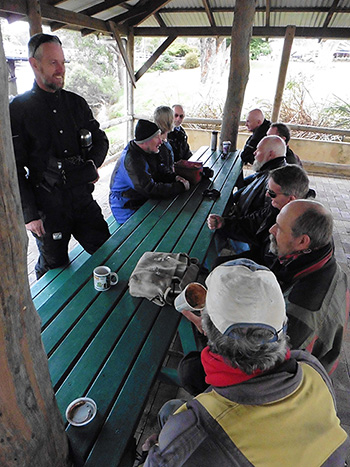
(191, 298)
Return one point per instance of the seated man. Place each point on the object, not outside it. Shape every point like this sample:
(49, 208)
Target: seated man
(268, 156)
(178, 137)
(137, 177)
(284, 184)
(258, 125)
(314, 285)
(280, 129)
(266, 405)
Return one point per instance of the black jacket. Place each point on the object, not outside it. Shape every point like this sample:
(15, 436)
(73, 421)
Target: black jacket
(252, 197)
(178, 140)
(247, 154)
(44, 126)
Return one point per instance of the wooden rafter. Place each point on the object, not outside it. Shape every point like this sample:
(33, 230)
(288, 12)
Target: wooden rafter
(140, 13)
(330, 13)
(209, 13)
(147, 65)
(105, 5)
(268, 8)
(122, 51)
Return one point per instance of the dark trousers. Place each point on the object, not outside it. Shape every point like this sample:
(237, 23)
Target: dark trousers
(65, 213)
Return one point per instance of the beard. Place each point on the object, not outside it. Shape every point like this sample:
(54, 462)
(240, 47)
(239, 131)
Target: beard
(257, 165)
(273, 245)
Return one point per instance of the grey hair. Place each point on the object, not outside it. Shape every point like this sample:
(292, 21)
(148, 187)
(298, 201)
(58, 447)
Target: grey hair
(164, 118)
(317, 223)
(249, 351)
(292, 179)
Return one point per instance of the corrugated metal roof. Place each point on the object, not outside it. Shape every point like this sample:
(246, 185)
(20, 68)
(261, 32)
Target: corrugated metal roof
(184, 19)
(313, 20)
(191, 14)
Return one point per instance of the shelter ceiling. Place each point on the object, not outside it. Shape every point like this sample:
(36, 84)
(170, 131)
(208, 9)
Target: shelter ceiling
(312, 18)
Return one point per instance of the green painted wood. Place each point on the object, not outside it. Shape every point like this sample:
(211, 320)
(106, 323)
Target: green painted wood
(76, 257)
(109, 345)
(188, 342)
(115, 433)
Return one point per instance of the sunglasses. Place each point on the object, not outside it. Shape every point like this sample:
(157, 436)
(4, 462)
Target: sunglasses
(179, 115)
(273, 195)
(43, 39)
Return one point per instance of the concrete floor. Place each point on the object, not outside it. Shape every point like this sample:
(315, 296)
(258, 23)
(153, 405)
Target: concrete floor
(334, 193)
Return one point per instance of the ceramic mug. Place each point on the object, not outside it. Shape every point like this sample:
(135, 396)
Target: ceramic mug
(191, 298)
(104, 278)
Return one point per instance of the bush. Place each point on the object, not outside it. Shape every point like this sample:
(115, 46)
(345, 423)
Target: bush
(191, 60)
(165, 63)
(180, 49)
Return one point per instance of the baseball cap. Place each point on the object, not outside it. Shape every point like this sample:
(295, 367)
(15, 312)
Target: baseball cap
(242, 293)
(145, 130)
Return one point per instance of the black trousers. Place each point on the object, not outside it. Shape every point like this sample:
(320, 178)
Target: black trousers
(66, 212)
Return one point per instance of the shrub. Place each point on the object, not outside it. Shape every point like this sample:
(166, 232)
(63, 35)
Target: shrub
(191, 60)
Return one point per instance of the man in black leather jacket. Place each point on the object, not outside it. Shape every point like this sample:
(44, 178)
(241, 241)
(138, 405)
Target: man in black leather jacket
(55, 172)
(269, 155)
(258, 125)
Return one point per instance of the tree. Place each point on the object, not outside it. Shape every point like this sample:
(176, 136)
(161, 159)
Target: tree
(239, 69)
(31, 428)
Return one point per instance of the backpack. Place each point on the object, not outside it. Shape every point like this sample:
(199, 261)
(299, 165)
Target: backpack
(160, 277)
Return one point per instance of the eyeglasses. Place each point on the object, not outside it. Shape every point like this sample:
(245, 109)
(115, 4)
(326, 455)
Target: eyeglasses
(179, 115)
(37, 40)
(273, 195)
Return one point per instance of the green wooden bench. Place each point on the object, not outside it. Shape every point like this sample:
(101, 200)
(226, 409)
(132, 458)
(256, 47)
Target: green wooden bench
(110, 346)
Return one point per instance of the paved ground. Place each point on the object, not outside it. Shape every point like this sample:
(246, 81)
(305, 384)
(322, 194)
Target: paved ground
(333, 193)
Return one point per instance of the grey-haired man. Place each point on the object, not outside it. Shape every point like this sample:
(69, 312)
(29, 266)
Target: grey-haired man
(265, 404)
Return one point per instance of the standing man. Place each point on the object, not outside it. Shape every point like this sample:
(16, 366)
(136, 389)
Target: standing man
(258, 125)
(58, 145)
(139, 174)
(178, 137)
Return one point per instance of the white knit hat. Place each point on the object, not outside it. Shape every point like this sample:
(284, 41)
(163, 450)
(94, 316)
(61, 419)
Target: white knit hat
(240, 293)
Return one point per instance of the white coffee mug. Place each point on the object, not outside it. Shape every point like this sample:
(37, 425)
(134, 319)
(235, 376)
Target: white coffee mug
(191, 298)
(104, 278)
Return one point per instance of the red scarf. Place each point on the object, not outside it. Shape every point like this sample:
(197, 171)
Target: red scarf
(221, 374)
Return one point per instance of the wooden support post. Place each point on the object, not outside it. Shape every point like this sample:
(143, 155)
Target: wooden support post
(117, 37)
(287, 47)
(239, 69)
(34, 17)
(31, 428)
(129, 85)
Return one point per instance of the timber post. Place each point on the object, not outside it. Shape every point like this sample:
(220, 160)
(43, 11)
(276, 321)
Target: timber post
(239, 69)
(287, 47)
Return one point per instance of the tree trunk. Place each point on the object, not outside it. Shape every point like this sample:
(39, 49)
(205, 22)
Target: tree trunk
(239, 69)
(31, 428)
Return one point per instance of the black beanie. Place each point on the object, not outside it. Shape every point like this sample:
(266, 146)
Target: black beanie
(145, 130)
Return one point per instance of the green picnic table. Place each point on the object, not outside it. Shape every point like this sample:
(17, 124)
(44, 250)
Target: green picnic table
(108, 345)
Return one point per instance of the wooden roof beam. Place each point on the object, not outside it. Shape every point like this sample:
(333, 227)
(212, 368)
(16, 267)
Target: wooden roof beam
(105, 5)
(147, 65)
(209, 13)
(330, 13)
(140, 13)
(327, 33)
(268, 8)
(122, 51)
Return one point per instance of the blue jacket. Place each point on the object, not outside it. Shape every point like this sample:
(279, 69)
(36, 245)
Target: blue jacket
(137, 177)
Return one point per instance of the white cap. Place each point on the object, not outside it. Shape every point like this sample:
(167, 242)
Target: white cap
(241, 292)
